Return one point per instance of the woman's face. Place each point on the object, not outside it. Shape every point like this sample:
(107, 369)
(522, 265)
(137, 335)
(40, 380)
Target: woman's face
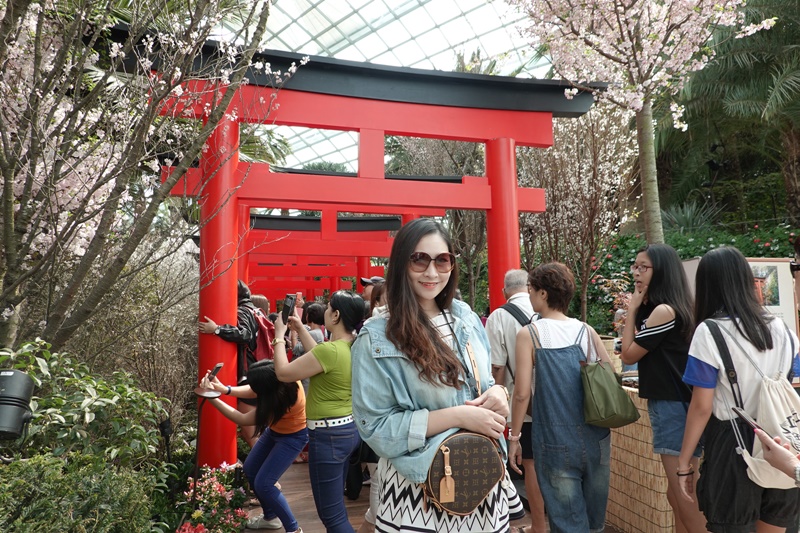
(428, 284)
(643, 270)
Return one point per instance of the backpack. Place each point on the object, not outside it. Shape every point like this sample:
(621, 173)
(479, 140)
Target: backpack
(778, 408)
(264, 336)
(523, 320)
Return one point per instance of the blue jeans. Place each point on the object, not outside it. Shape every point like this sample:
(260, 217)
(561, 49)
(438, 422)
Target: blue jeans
(574, 481)
(272, 455)
(328, 452)
(668, 420)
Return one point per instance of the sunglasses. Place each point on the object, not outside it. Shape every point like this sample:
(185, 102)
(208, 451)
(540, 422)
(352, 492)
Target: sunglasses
(444, 263)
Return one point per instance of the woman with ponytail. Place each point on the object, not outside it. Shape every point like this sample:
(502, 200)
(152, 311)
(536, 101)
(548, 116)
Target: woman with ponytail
(332, 435)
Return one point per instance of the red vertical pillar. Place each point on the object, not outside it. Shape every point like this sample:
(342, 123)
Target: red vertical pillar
(218, 270)
(362, 271)
(244, 229)
(502, 220)
(408, 217)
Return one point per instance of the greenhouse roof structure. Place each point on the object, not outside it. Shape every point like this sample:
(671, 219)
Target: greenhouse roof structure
(426, 34)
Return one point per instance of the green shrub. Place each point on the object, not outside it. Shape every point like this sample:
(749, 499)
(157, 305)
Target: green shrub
(74, 411)
(54, 494)
(174, 482)
(613, 275)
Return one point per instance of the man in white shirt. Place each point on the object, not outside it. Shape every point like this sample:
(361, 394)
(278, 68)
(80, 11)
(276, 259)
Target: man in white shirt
(501, 328)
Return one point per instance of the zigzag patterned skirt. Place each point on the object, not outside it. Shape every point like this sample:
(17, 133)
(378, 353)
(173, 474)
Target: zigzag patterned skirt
(403, 508)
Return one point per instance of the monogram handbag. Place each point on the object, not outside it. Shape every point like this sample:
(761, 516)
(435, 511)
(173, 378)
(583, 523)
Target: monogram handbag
(465, 469)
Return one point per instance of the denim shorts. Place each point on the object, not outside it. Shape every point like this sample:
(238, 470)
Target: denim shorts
(668, 420)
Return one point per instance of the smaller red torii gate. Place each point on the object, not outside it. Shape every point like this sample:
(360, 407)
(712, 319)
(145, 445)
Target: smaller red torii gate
(374, 101)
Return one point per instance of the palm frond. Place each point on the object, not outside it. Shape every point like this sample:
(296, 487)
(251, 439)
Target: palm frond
(785, 88)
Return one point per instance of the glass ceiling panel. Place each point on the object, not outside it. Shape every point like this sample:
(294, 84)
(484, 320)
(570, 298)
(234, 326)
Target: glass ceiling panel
(409, 33)
(395, 33)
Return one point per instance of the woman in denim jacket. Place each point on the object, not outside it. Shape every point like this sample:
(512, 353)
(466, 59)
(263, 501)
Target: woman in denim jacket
(413, 385)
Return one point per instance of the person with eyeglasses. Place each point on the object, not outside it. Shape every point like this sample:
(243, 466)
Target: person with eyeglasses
(413, 385)
(658, 330)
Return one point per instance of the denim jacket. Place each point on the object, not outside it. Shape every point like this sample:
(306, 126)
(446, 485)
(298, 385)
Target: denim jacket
(391, 402)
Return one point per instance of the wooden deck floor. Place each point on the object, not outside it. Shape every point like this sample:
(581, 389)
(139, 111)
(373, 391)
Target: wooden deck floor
(296, 489)
(295, 486)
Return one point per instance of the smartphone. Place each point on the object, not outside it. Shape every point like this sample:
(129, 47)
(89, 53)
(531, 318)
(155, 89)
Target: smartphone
(750, 422)
(214, 371)
(288, 307)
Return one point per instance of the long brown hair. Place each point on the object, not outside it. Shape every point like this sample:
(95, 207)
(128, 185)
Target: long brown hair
(408, 327)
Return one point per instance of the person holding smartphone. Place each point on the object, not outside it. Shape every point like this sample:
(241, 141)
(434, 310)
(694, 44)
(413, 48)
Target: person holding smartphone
(332, 433)
(780, 455)
(280, 423)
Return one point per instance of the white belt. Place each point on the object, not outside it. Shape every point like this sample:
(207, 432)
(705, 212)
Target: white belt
(329, 422)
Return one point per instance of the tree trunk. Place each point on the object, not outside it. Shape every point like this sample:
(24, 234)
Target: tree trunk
(791, 172)
(584, 301)
(645, 137)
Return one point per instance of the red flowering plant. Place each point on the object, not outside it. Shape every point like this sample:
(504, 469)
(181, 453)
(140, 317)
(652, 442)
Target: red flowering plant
(218, 502)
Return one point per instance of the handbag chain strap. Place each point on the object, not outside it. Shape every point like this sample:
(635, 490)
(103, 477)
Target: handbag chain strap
(471, 356)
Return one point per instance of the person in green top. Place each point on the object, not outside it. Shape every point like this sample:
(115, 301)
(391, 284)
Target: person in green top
(332, 433)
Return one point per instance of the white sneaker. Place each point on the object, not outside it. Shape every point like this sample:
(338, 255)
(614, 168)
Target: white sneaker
(258, 522)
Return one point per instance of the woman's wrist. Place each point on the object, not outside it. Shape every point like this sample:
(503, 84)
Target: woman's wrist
(505, 391)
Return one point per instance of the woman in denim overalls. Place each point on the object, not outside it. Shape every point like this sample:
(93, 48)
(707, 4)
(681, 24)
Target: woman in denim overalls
(571, 457)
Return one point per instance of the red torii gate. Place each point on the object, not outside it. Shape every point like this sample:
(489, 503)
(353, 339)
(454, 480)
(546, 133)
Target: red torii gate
(374, 101)
(346, 257)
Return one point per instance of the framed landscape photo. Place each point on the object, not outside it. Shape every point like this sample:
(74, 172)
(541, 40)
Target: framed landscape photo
(775, 287)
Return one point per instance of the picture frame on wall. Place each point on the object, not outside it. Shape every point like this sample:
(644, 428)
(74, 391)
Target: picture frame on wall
(775, 287)
(774, 284)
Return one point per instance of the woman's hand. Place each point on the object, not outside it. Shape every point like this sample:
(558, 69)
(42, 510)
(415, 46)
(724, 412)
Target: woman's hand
(778, 454)
(207, 327)
(483, 421)
(686, 482)
(280, 327)
(636, 299)
(494, 399)
(515, 455)
(211, 383)
(295, 323)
